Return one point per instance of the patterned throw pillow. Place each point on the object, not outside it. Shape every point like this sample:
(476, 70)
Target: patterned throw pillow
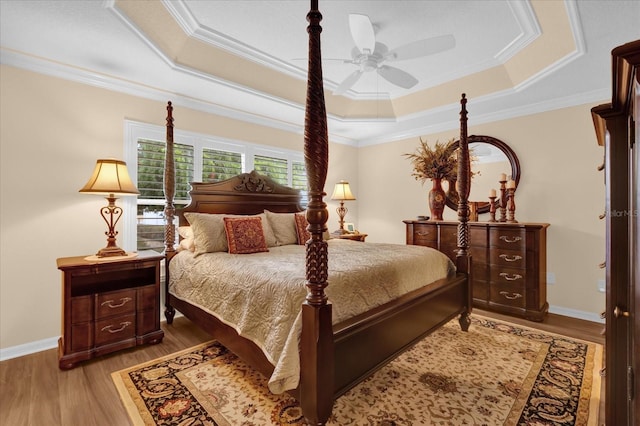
(245, 235)
(301, 228)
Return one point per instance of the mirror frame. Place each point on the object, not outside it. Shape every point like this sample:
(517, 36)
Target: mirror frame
(483, 206)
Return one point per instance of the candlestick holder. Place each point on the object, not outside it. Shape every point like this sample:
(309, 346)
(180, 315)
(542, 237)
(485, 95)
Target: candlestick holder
(511, 205)
(503, 201)
(492, 209)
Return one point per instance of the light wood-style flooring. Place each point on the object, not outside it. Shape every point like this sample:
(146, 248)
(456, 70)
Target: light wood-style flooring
(34, 392)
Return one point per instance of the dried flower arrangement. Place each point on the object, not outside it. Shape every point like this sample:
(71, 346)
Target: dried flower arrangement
(439, 162)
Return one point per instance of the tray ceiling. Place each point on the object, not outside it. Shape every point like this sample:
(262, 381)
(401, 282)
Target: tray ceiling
(247, 59)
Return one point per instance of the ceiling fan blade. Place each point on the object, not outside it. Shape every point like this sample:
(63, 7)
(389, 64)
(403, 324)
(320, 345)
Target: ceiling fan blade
(348, 82)
(420, 48)
(397, 76)
(362, 32)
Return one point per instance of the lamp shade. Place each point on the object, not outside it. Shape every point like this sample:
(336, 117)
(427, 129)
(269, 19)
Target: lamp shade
(110, 177)
(342, 191)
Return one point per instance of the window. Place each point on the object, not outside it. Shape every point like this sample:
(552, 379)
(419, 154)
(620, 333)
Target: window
(197, 158)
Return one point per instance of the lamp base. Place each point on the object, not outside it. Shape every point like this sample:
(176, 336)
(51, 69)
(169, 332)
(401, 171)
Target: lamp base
(111, 252)
(96, 258)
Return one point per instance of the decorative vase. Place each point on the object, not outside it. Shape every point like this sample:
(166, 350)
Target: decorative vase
(436, 199)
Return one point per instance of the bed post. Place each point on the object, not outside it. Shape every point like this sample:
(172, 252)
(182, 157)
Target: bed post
(169, 188)
(463, 259)
(316, 341)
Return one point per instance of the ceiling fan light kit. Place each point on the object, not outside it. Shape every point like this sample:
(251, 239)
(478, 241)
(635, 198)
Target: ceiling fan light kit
(369, 55)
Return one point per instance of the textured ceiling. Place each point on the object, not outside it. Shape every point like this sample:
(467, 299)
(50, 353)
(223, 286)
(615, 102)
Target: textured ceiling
(246, 59)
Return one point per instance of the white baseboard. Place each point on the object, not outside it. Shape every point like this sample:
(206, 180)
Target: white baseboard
(28, 348)
(574, 313)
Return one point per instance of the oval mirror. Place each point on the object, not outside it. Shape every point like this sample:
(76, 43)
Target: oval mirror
(490, 157)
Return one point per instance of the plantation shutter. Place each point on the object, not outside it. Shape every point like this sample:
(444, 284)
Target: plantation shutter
(299, 181)
(218, 165)
(276, 168)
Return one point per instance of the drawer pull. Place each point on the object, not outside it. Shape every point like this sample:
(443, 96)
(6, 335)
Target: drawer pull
(506, 239)
(123, 324)
(422, 233)
(508, 258)
(123, 301)
(510, 277)
(602, 265)
(510, 296)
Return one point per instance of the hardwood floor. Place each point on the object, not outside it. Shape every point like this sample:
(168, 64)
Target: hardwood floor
(34, 392)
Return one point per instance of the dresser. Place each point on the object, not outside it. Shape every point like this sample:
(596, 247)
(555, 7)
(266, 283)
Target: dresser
(108, 305)
(509, 273)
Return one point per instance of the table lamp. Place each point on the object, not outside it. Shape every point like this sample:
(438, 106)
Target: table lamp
(343, 193)
(110, 177)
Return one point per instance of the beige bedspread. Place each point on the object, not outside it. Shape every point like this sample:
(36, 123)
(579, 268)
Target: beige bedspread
(260, 294)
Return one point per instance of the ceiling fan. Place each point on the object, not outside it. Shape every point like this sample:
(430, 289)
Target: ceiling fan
(369, 55)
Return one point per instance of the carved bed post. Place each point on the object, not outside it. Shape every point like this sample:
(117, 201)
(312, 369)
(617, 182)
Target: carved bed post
(463, 259)
(169, 188)
(316, 341)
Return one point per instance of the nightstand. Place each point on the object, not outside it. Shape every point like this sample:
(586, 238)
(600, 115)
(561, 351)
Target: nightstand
(355, 236)
(108, 305)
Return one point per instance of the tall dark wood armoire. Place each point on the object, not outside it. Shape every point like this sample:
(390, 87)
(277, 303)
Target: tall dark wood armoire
(617, 129)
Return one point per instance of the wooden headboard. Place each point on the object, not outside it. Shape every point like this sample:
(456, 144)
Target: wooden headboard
(247, 193)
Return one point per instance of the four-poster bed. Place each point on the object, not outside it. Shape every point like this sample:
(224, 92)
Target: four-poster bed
(333, 355)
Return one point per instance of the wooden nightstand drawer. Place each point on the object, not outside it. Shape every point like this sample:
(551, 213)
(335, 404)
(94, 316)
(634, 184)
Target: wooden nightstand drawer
(115, 303)
(115, 329)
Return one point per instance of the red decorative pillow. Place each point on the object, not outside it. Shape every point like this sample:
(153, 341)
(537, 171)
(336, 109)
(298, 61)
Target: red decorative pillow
(245, 235)
(301, 228)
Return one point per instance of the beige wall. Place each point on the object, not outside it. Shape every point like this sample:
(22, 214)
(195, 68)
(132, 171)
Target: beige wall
(559, 185)
(51, 135)
(53, 131)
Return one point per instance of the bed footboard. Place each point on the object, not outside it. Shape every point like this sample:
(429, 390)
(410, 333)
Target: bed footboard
(367, 342)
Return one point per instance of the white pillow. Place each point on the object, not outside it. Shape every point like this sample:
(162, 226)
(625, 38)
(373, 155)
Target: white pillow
(283, 226)
(208, 232)
(187, 240)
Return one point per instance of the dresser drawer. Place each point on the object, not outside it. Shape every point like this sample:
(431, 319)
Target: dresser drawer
(425, 235)
(448, 235)
(508, 275)
(512, 239)
(508, 294)
(115, 303)
(508, 258)
(115, 329)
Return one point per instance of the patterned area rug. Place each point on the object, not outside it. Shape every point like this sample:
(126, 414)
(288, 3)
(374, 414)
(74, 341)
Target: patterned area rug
(495, 374)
